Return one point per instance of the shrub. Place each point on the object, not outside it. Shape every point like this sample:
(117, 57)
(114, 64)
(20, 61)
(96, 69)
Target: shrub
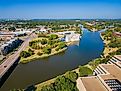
(84, 71)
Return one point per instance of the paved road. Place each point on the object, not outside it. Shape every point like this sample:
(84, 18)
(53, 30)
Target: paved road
(11, 59)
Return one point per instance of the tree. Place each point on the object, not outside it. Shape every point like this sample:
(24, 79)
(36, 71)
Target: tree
(12, 29)
(84, 71)
(24, 54)
(71, 76)
(49, 87)
(95, 62)
(31, 52)
(53, 36)
(47, 50)
(51, 42)
(64, 84)
(35, 46)
(39, 53)
(62, 45)
(44, 41)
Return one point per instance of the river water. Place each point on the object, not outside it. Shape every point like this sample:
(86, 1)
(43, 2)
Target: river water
(89, 47)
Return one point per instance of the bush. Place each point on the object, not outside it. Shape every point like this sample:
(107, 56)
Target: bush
(84, 71)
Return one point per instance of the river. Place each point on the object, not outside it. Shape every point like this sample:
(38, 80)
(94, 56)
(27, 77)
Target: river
(89, 47)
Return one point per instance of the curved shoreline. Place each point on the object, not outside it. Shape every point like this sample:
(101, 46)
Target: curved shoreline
(43, 56)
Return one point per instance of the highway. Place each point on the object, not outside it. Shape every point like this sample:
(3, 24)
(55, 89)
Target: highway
(12, 58)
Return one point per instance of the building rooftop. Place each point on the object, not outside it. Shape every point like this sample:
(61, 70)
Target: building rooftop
(108, 81)
(113, 70)
(93, 84)
(118, 57)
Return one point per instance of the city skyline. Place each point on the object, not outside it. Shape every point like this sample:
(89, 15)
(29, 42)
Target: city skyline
(60, 9)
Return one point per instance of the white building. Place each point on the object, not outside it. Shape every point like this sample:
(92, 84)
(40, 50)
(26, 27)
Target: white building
(69, 36)
(72, 37)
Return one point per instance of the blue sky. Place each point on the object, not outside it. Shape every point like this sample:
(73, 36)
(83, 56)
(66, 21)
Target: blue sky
(47, 9)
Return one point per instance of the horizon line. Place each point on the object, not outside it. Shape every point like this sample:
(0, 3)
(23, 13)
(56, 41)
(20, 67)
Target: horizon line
(57, 18)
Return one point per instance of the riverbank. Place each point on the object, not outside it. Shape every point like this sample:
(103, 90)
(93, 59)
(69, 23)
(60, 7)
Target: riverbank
(48, 82)
(85, 71)
(68, 74)
(35, 57)
(107, 49)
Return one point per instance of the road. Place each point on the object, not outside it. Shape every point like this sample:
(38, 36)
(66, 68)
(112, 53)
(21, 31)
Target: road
(12, 58)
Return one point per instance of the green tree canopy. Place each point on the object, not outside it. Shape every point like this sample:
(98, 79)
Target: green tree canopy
(24, 54)
(71, 76)
(53, 36)
(85, 71)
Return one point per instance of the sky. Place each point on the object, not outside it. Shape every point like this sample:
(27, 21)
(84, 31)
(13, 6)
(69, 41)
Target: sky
(60, 9)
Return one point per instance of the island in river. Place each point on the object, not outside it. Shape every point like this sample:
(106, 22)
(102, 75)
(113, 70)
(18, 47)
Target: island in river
(42, 47)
